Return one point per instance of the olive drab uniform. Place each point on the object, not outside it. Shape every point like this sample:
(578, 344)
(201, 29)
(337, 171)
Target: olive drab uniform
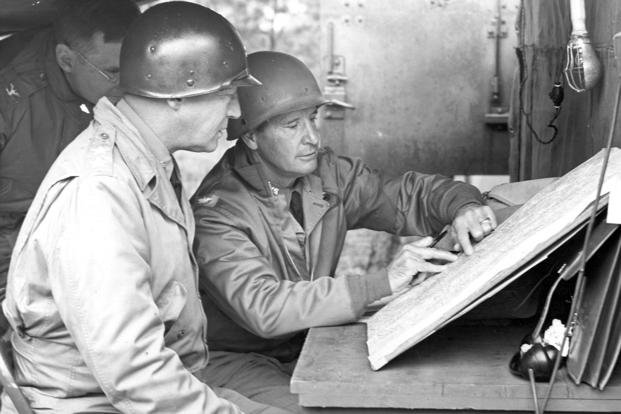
(39, 116)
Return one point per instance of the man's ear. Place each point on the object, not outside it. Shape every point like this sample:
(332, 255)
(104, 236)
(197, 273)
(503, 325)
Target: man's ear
(65, 57)
(174, 103)
(250, 139)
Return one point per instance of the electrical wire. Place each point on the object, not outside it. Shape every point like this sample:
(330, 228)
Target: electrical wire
(532, 291)
(556, 95)
(546, 308)
(533, 389)
(578, 290)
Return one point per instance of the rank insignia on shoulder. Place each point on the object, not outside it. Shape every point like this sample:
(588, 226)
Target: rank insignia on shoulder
(208, 201)
(11, 91)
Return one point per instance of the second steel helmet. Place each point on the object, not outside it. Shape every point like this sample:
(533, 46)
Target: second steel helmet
(180, 49)
(286, 85)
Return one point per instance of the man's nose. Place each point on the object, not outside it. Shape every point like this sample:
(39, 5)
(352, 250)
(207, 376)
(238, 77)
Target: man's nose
(233, 109)
(312, 134)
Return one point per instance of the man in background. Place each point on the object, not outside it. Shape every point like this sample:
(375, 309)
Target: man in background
(47, 93)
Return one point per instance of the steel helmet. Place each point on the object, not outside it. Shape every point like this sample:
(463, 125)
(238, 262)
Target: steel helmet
(180, 49)
(286, 85)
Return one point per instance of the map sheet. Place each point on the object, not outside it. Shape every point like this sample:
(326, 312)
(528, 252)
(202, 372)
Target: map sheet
(540, 222)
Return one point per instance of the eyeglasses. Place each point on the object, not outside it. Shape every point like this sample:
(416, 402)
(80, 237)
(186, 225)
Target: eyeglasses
(114, 78)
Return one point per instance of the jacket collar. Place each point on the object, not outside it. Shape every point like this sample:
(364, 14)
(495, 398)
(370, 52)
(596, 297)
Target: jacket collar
(315, 201)
(317, 197)
(247, 164)
(141, 159)
(152, 142)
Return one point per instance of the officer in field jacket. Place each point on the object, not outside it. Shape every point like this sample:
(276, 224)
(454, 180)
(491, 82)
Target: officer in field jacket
(271, 220)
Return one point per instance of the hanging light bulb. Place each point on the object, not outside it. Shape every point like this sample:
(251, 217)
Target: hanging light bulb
(583, 68)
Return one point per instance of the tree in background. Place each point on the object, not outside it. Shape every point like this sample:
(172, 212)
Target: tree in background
(289, 26)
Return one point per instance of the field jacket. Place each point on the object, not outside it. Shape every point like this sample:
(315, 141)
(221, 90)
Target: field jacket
(265, 278)
(102, 290)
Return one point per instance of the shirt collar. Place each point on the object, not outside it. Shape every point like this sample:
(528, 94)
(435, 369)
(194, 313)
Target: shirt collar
(250, 167)
(298, 186)
(150, 138)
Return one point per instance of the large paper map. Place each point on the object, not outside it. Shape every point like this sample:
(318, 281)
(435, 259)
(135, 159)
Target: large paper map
(417, 313)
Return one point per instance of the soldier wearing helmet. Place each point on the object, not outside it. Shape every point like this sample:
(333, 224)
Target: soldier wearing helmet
(102, 290)
(271, 221)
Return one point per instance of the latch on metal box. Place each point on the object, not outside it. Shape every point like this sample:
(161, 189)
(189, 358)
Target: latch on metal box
(334, 89)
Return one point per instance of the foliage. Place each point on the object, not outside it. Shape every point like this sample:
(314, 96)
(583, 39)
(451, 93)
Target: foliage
(289, 26)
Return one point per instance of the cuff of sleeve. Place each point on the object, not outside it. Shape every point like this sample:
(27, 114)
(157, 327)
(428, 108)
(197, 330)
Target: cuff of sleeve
(377, 285)
(367, 289)
(470, 203)
(460, 202)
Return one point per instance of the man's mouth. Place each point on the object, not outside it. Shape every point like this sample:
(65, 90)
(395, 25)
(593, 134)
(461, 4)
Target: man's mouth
(308, 154)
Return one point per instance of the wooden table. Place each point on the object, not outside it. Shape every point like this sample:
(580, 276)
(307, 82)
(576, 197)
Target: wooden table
(459, 368)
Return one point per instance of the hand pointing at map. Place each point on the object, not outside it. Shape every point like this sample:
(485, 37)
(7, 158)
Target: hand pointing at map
(472, 222)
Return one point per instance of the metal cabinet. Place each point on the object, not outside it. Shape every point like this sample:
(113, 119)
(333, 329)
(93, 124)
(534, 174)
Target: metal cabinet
(421, 76)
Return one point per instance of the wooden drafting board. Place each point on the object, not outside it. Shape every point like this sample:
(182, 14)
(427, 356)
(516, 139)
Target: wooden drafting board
(571, 244)
(538, 224)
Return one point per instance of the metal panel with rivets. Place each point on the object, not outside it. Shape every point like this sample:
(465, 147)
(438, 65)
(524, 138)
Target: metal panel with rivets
(420, 77)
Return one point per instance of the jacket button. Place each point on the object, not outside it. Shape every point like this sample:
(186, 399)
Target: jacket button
(180, 334)
(103, 135)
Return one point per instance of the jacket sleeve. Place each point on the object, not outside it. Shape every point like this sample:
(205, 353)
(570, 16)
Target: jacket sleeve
(245, 286)
(412, 204)
(101, 282)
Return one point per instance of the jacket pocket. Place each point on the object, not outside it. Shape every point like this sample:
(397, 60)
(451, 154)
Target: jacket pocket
(171, 302)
